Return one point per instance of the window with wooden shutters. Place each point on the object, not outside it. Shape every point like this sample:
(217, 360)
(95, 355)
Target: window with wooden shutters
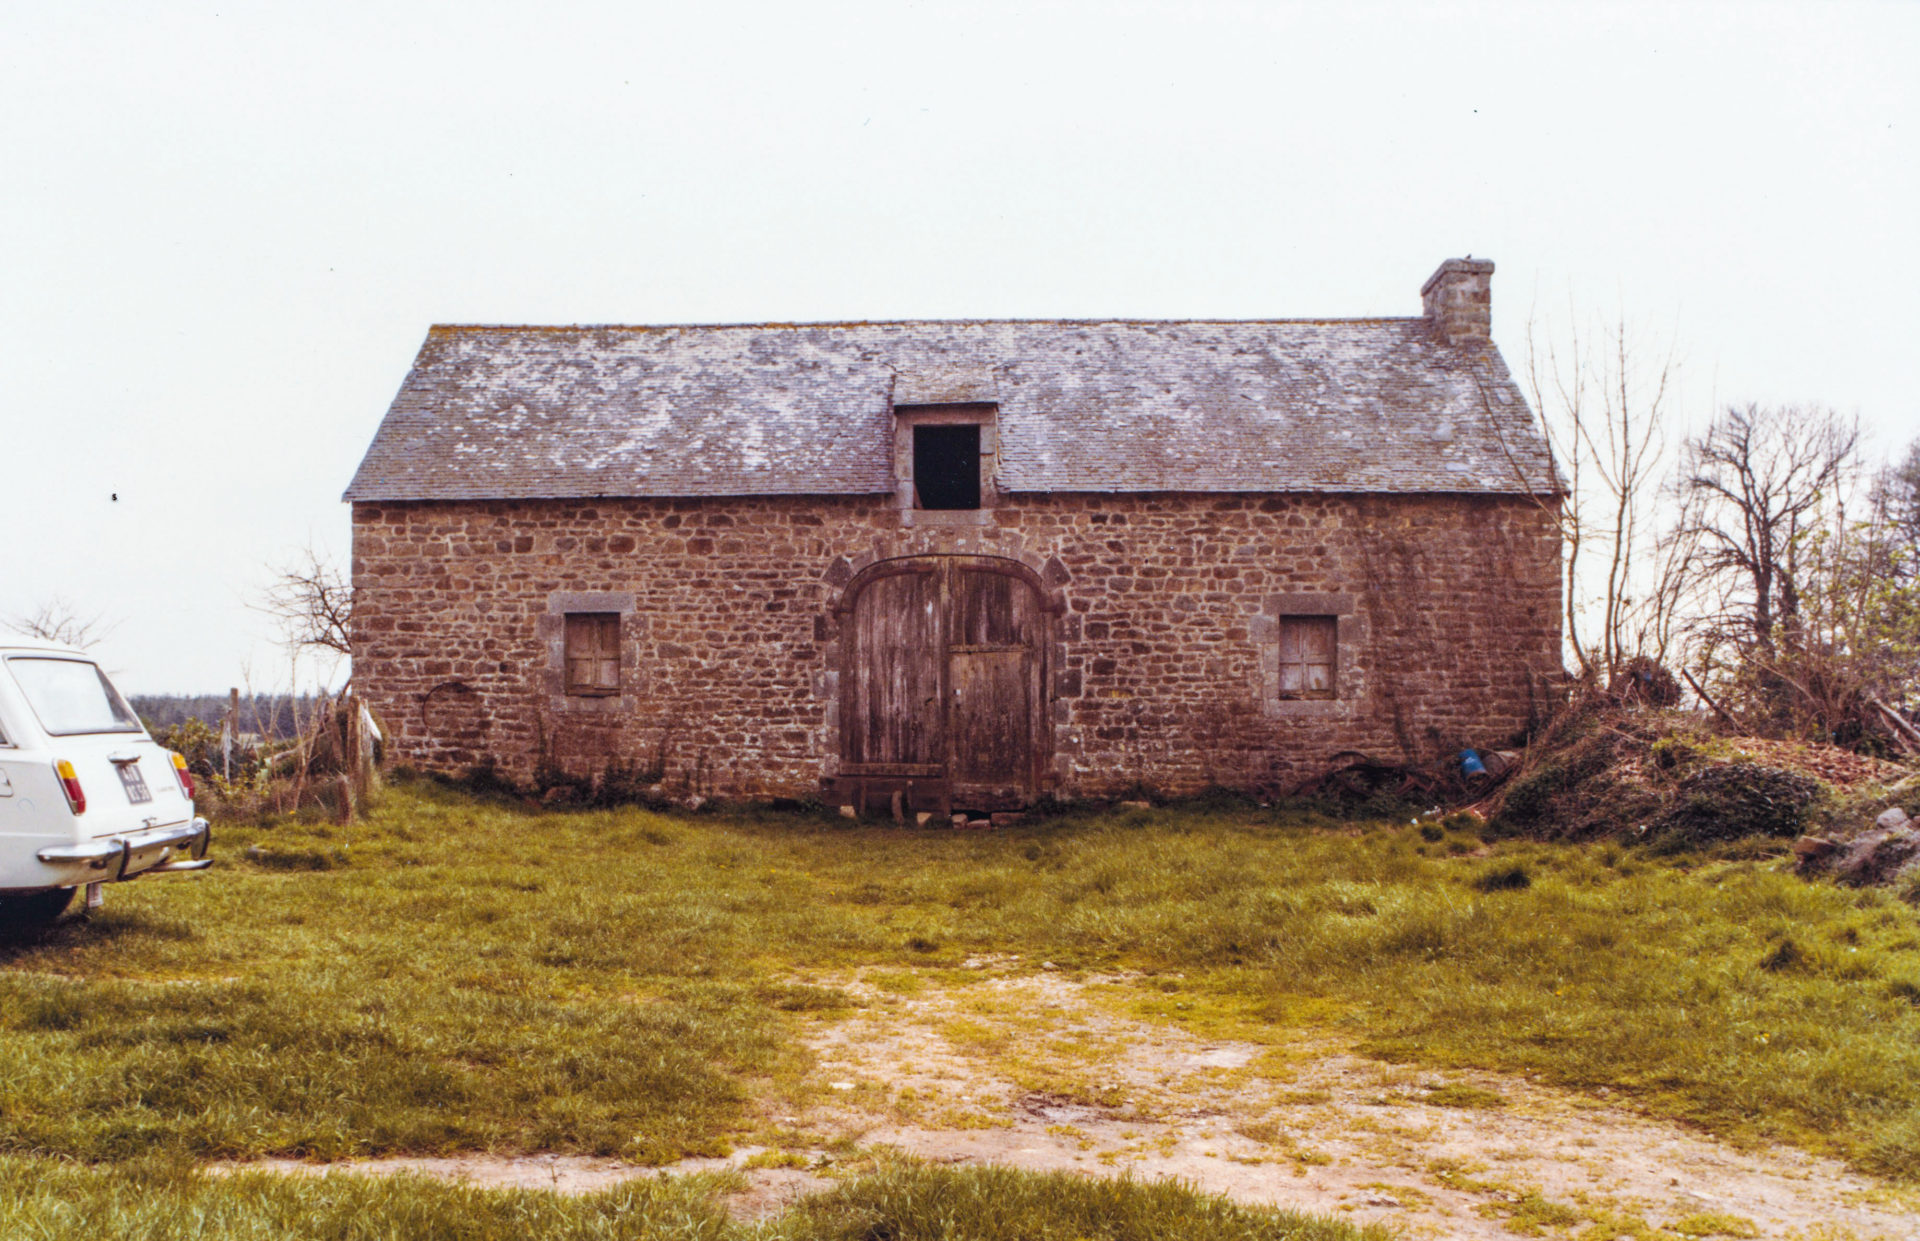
(593, 654)
(1308, 663)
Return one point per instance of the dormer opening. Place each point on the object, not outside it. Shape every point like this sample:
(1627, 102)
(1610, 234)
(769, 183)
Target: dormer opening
(946, 467)
(944, 455)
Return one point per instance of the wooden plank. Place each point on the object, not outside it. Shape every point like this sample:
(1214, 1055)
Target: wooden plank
(904, 770)
(994, 609)
(868, 793)
(997, 630)
(894, 665)
(606, 652)
(992, 717)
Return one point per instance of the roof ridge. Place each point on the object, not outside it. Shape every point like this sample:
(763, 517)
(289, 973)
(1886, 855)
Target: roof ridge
(856, 323)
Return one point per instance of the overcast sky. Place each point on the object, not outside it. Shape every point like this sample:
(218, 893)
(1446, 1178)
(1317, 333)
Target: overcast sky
(225, 229)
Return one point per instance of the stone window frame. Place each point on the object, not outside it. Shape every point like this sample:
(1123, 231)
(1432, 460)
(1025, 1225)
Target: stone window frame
(1350, 637)
(982, 414)
(551, 629)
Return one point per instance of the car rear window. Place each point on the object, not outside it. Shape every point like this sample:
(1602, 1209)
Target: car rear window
(72, 696)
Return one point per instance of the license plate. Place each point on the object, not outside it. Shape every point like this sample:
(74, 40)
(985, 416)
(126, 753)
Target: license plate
(137, 790)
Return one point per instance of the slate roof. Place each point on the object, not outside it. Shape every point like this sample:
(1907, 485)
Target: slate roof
(1355, 405)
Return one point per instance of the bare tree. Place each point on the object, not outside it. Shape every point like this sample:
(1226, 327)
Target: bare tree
(57, 620)
(1754, 487)
(313, 602)
(1896, 507)
(1603, 411)
(1670, 597)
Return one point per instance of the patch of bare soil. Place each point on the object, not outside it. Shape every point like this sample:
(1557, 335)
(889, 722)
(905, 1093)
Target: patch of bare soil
(1047, 1072)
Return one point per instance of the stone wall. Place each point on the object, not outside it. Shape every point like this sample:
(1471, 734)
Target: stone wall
(1164, 659)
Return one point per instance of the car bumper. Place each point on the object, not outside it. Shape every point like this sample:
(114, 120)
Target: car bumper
(132, 854)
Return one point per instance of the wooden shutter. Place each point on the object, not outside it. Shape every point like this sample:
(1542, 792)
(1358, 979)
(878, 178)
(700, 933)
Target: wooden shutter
(1309, 664)
(593, 653)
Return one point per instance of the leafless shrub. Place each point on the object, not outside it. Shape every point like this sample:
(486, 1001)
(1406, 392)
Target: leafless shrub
(58, 620)
(333, 756)
(312, 601)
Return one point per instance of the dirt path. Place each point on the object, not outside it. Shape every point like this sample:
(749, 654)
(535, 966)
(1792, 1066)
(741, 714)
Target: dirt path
(1045, 1072)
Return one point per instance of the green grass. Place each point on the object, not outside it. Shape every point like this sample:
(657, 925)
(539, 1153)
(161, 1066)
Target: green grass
(41, 1200)
(467, 975)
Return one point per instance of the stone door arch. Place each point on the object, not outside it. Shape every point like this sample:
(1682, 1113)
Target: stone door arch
(944, 675)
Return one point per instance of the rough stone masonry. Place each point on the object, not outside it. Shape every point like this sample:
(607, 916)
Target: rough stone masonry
(1212, 553)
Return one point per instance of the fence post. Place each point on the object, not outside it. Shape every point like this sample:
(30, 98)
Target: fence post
(229, 726)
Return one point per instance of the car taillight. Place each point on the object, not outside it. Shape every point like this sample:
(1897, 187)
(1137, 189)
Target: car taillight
(70, 784)
(185, 776)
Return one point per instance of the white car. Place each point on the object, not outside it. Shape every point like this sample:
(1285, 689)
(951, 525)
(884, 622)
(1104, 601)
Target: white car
(86, 796)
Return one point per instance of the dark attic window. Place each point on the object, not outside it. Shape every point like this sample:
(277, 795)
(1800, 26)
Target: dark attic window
(946, 466)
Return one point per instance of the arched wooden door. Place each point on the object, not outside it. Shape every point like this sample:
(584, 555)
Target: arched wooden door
(943, 676)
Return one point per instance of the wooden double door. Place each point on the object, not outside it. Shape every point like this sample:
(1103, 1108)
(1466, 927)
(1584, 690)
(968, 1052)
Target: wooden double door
(943, 678)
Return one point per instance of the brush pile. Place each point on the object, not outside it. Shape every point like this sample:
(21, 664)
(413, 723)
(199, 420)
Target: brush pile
(1612, 769)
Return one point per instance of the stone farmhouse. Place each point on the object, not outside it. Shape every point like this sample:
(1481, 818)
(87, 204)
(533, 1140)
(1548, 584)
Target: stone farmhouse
(959, 565)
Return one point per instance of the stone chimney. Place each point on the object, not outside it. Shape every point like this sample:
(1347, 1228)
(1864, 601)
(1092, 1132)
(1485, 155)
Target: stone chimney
(1459, 299)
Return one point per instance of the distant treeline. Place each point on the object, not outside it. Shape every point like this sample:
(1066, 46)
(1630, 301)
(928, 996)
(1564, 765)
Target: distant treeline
(268, 716)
